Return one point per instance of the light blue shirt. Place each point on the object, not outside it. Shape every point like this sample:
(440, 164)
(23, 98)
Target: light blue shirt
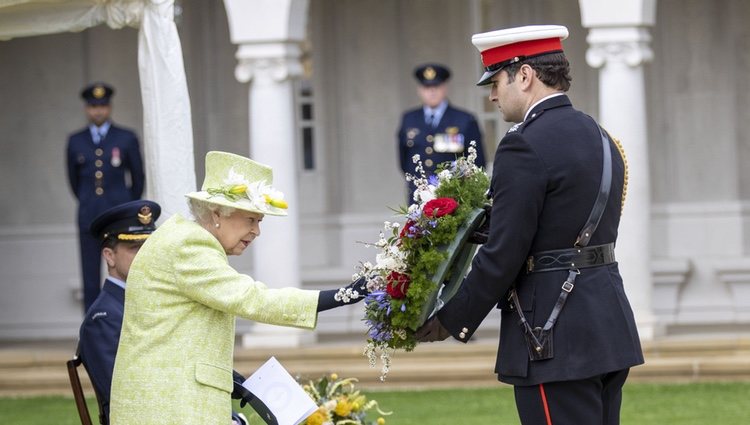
(116, 281)
(98, 133)
(436, 113)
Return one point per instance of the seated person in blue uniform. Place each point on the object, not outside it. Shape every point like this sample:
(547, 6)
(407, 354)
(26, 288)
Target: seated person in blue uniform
(437, 131)
(121, 231)
(105, 169)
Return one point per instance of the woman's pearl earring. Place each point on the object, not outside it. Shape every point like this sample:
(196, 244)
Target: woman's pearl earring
(217, 225)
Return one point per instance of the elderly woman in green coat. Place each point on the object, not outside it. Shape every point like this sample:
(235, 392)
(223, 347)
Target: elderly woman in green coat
(174, 360)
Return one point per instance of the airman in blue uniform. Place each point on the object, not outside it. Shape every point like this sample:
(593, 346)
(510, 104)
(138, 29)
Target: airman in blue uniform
(104, 169)
(568, 336)
(120, 232)
(437, 131)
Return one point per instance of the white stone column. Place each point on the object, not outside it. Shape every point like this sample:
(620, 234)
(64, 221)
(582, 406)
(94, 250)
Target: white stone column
(268, 34)
(619, 53)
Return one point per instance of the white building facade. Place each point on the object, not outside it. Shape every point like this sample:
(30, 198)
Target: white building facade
(316, 88)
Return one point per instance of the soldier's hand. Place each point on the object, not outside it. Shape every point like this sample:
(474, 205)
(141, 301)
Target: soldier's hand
(432, 331)
(480, 235)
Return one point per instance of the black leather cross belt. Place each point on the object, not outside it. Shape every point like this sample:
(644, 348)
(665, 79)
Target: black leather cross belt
(571, 258)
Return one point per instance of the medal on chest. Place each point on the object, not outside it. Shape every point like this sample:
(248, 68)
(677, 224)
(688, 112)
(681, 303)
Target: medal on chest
(116, 159)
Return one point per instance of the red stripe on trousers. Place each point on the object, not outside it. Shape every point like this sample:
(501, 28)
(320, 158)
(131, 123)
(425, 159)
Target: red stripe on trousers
(545, 405)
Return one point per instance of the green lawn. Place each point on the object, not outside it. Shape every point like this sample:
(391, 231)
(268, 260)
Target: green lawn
(644, 404)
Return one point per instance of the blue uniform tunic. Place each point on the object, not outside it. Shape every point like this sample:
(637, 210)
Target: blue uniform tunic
(101, 176)
(449, 139)
(545, 179)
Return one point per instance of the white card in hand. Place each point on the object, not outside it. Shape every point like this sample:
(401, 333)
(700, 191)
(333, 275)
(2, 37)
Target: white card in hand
(283, 396)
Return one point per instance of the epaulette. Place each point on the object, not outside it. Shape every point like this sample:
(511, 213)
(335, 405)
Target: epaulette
(519, 127)
(533, 117)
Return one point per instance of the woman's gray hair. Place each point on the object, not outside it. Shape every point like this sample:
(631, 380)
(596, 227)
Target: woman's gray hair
(202, 210)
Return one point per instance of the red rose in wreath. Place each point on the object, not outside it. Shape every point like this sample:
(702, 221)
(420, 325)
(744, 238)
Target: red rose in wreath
(398, 283)
(439, 207)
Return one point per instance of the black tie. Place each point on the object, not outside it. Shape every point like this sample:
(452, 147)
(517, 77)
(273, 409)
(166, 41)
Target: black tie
(431, 120)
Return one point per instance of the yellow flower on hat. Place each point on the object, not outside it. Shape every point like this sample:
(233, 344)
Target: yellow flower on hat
(238, 189)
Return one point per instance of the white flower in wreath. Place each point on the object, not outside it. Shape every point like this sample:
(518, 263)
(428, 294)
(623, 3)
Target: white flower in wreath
(444, 175)
(424, 194)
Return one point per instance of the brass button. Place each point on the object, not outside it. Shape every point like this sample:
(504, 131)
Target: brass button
(98, 163)
(462, 335)
(410, 143)
(98, 174)
(430, 138)
(428, 163)
(428, 150)
(464, 330)
(99, 191)
(99, 152)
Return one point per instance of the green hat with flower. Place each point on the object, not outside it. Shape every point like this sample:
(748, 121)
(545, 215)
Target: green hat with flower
(238, 182)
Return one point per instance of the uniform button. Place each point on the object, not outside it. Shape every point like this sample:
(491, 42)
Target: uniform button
(99, 152)
(98, 163)
(428, 163)
(410, 143)
(462, 335)
(98, 174)
(464, 330)
(428, 150)
(430, 138)
(99, 191)
(533, 115)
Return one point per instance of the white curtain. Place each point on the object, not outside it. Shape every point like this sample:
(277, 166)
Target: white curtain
(167, 125)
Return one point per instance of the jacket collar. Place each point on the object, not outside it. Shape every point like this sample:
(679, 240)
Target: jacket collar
(551, 102)
(114, 290)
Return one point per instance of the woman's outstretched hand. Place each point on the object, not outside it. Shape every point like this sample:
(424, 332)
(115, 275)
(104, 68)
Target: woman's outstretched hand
(350, 294)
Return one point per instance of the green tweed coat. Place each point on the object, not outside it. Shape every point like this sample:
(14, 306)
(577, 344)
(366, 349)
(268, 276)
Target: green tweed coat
(174, 361)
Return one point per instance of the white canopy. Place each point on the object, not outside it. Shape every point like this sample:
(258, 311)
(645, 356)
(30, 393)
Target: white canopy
(167, 125)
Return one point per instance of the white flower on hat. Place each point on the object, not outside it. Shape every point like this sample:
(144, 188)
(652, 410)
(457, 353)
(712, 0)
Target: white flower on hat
(261, 195)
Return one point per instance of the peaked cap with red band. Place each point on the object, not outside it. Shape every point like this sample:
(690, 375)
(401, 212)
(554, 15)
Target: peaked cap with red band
(504, 47)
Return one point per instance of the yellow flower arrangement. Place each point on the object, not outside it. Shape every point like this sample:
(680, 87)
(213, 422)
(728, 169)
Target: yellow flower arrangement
(339, 403)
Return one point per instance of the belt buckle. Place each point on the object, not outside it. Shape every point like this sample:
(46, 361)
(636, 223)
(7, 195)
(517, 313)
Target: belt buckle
(567, 286)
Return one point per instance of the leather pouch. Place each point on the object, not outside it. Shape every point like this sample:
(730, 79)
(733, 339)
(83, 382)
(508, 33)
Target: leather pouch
(539, 345)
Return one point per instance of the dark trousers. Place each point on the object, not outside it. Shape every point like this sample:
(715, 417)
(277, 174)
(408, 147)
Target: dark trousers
(91, 263)
(592, 401)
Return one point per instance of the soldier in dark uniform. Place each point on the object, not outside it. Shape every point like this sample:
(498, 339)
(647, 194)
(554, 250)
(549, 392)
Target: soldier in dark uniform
(568, 335)
(101, 159)
(120, 231)
(436, 131)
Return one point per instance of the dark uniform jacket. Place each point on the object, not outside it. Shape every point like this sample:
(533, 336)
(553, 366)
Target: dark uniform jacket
(448, 139)
(99, 336)
(97, 172)
(546, 176)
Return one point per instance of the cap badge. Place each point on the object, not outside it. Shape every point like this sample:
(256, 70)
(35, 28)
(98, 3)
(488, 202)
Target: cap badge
(144, 215)
(98, 92)
(429, 73)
